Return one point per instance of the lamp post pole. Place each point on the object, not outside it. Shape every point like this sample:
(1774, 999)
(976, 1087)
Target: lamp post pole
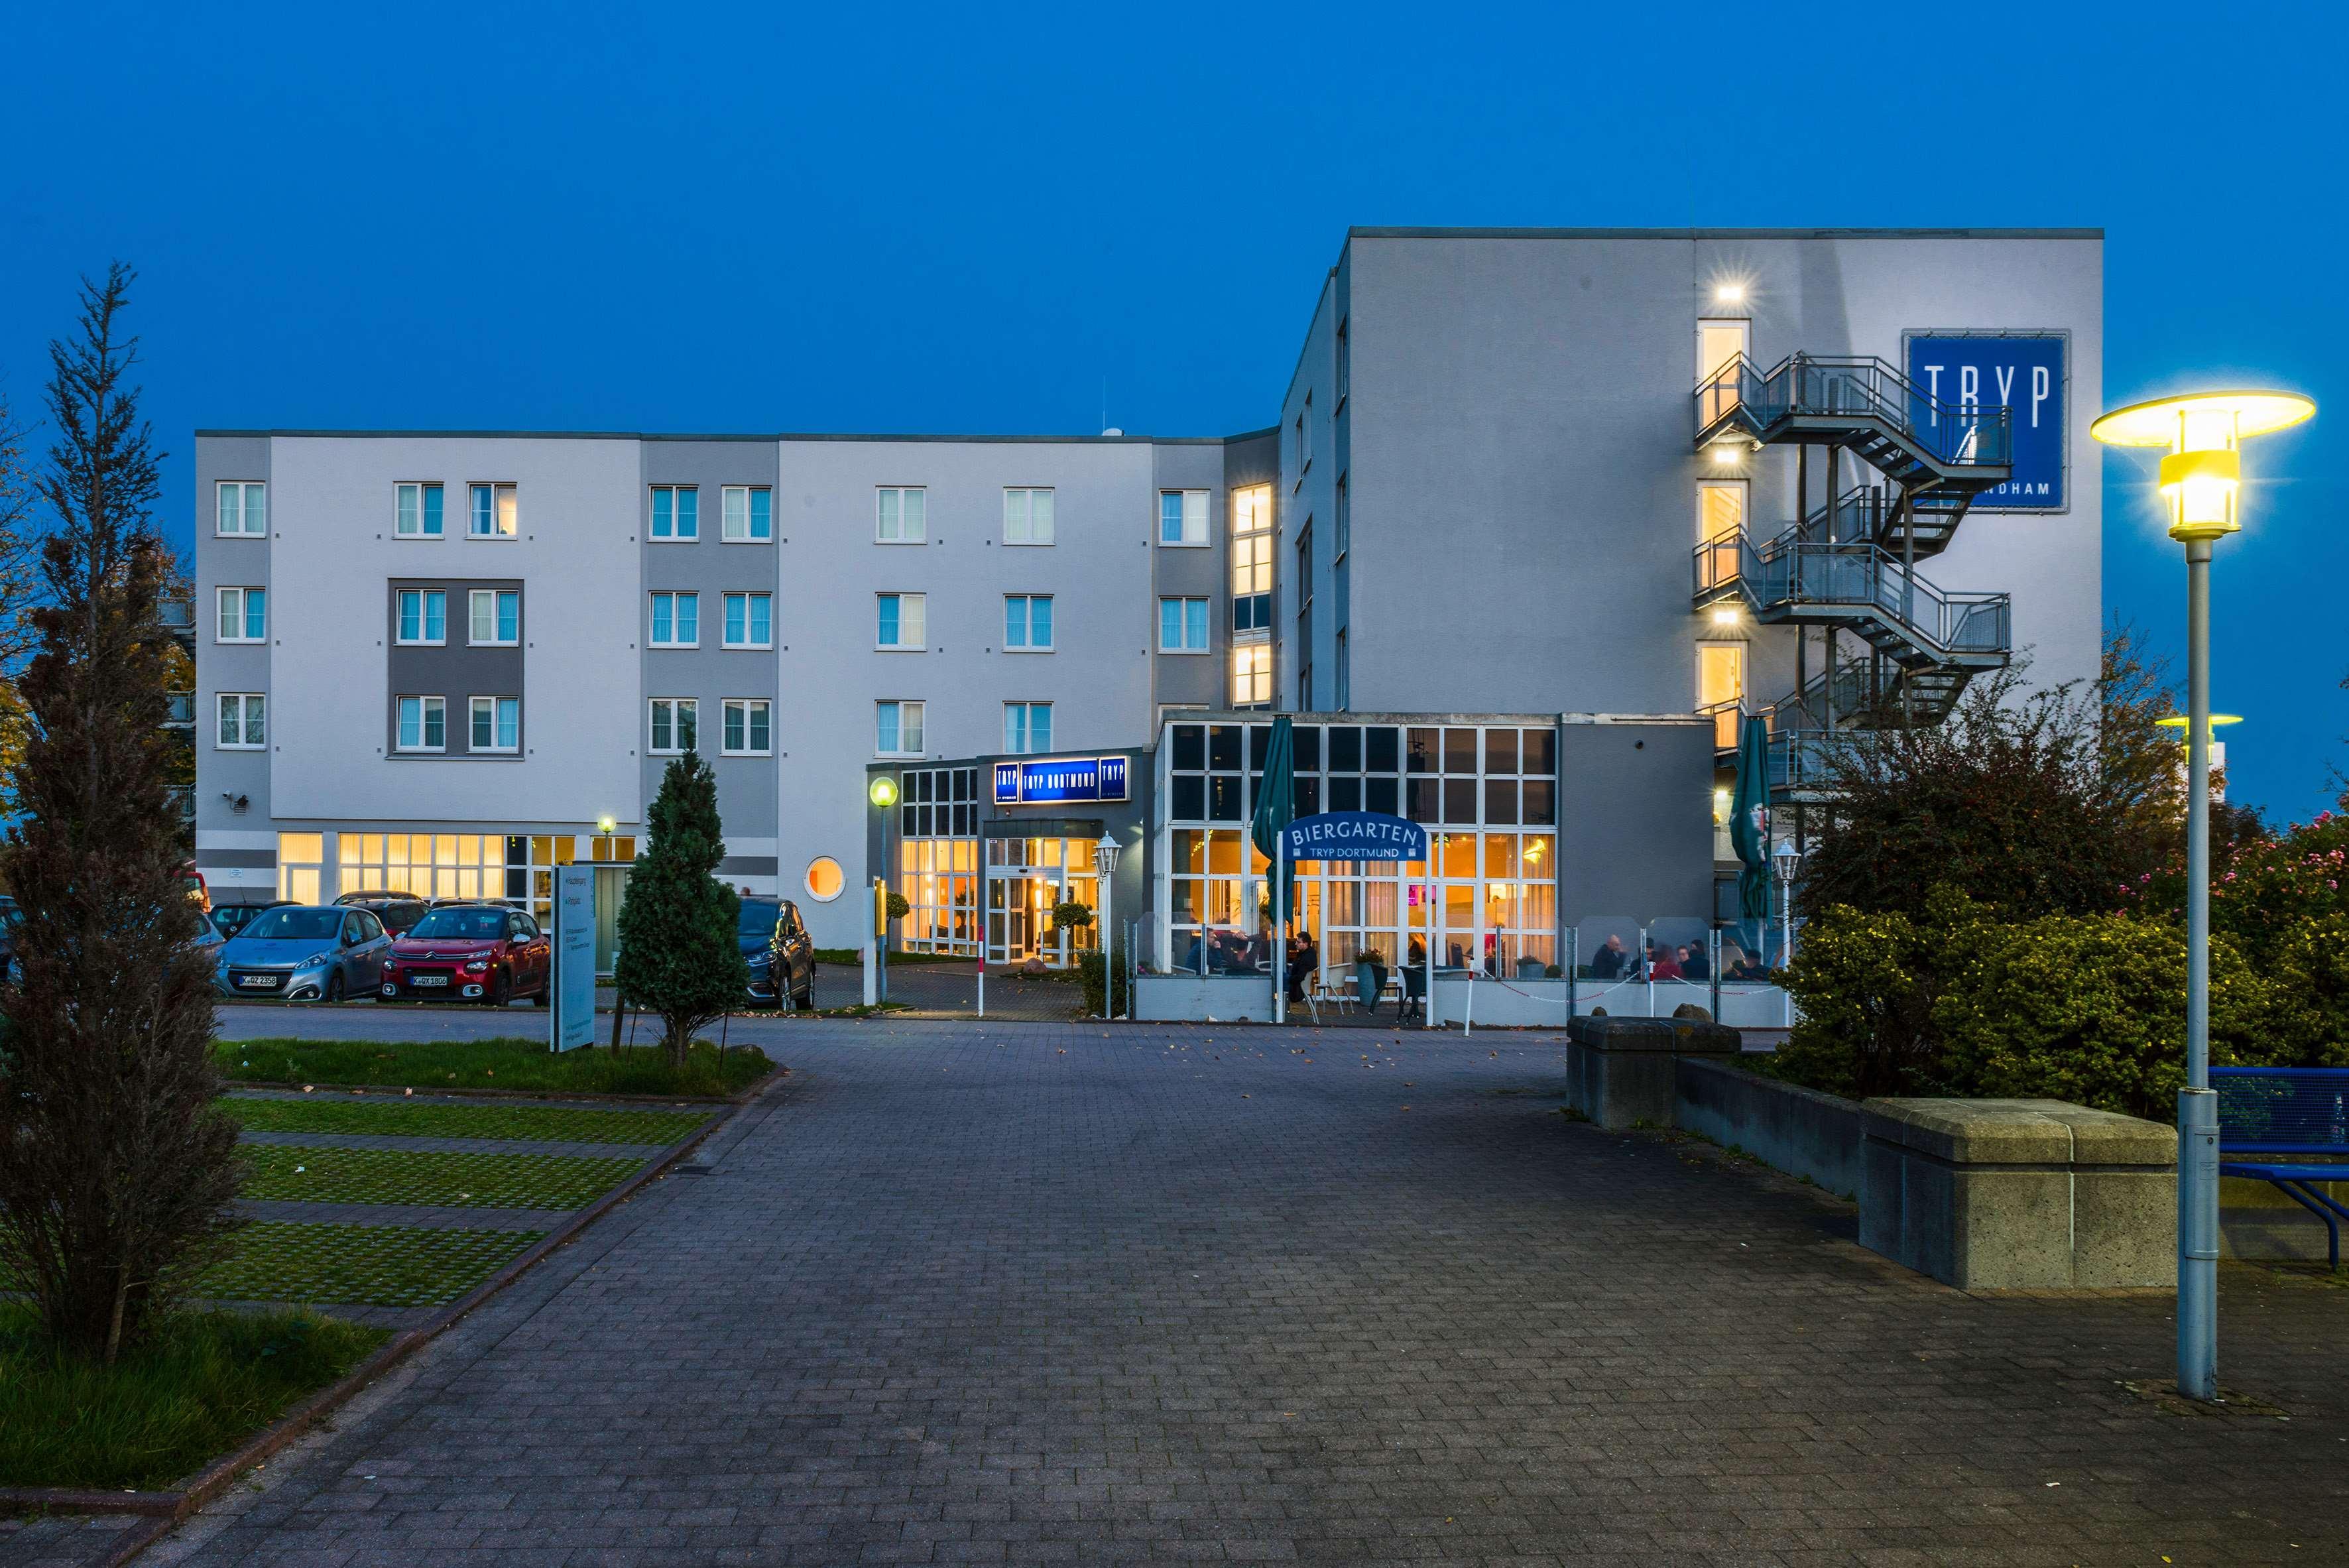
(2201, 477)
(1106, 849)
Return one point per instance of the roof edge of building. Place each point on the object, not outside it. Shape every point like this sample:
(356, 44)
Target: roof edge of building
(1412, 232)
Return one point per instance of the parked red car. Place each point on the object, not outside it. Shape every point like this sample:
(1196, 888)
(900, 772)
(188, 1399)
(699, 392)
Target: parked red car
(476, 952)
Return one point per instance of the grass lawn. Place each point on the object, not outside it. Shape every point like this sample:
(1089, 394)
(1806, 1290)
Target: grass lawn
(505, 1063)
(364, 1265)
(202, 1383)
(490, 1119)
(294, 1174)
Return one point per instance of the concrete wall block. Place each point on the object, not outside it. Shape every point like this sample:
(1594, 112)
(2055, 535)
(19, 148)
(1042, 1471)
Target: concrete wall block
(1792, 1129)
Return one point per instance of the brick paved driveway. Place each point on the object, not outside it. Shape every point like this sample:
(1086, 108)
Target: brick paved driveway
(1035, 1294)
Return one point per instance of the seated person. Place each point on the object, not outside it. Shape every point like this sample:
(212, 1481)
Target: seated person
(1414, 978)
(1301, 957)
(1610, 962)
(1695, 963)
(1661, 966)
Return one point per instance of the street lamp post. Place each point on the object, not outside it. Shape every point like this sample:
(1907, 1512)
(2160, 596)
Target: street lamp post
(2203, 433)
(883, 793)
(1106, 849)
(1787, 860)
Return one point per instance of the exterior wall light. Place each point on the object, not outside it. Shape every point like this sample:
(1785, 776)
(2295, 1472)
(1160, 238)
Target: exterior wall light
(1724, 615)
(2201, 476)
(883, 791)
(1729, 293)
(1725, 452)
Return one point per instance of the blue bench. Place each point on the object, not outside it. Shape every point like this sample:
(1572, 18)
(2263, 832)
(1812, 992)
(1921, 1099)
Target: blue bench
(2288, 1111)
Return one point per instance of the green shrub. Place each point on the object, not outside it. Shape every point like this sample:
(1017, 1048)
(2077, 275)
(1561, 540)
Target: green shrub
(1865, 987)
(1090, 973)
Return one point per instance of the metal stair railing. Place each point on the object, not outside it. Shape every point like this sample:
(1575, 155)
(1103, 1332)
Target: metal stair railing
(1792, 573)
(1860, 390)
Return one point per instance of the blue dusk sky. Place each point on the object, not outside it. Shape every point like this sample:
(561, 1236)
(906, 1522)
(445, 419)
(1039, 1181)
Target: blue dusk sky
(687, 217)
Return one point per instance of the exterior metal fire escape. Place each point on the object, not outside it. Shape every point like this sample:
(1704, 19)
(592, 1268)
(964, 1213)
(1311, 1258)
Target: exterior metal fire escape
(1850, 565)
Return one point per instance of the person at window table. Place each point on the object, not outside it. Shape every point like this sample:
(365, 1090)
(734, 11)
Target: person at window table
(1610, 962)
(1694, 964)
(1303, 956)
(1414, 980)
(1661, 965)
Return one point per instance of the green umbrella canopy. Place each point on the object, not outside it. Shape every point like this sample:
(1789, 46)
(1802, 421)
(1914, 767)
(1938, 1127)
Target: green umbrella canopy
(1276, 792)
(1749, 821)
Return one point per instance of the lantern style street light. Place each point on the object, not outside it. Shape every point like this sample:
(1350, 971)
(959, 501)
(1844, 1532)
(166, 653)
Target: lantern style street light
(2203, 434)
(1106, 849)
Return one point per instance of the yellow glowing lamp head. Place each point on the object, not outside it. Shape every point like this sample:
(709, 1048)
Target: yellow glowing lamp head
(2179, 721)
(1724, 615)
(2203, 432)
(605, 824)
(883, 791)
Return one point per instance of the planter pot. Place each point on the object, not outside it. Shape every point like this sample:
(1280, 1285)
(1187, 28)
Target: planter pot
(1368, 981)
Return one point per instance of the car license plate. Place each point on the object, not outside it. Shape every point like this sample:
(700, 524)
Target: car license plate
(427, 979)
(258, 981)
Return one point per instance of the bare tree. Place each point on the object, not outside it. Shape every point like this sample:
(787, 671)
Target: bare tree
(116, 1168)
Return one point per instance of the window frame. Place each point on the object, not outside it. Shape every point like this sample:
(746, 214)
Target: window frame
(1206, 538)
(473, 596)
(1027, 711)
(726, 493)
(921, 613)
(424, 596)
(245, 592)
(679, 708)
(677, 513)
(424, 702)
(744, 705)
(900, 704)
(1027, 625)
(1051, 523)
(221, 488)
(244, 701)
(1206, 625)
(497, 487)
(422, 535)
(673, 595)
(901, 492)
(472, 718)
(725, 629)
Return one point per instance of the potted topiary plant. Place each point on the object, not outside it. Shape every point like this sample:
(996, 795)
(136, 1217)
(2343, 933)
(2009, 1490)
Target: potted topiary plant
(1370, 975)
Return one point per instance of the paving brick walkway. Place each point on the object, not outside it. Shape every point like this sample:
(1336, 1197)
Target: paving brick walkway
(1038, 1293)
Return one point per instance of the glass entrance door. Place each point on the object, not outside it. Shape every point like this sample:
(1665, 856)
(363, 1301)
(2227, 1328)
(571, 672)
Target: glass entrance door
(1020, 916)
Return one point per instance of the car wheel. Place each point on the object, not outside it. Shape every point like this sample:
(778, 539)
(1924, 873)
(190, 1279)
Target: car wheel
(334, 986)
(805, 1000)
(545, 997)
(501, 990)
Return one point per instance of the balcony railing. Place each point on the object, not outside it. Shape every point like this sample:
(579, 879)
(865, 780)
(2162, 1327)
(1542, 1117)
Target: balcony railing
(1857, 388)
(1790, 572)
(180, 799)
(176, 615)
(180, 710)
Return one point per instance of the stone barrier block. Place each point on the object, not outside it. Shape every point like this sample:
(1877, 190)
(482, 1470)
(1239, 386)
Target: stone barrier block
(1623, 1071)
(2020, 1194)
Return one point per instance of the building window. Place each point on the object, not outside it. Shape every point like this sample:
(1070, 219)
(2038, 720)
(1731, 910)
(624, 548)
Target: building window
(1027, 727)
(676, 620)
(897, 728)
(495, 616)
(677, 725)
(423, 616)
(1027, 517)
(747, 514)
(1345, 675)
(1182, 517)
(1345, 522)
(901, 514)
(423, 724)
(1251, 555)
(1345, 362)
(824, 878)
(1252, 675)
(494, 511)
(1182, 626)
(1028, 623)
(1304, 438)
(243, 614)
(417, 511)
(1720, 509)
(677, 513)
(901, 618)
(750, 621)
(1720, 674)
(241, 717)
(1305, 618)
(243, 510)
(497, 724)
(749, 728)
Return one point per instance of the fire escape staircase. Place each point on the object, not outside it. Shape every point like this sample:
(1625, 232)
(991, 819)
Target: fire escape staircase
(1850, 565)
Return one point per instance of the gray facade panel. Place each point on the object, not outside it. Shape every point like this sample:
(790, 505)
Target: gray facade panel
(454, 670)
(226, 777)
(1635, 818)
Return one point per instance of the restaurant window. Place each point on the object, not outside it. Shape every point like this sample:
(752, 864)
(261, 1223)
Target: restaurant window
(937, 865)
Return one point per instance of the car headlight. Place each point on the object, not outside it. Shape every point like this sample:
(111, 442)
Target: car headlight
(316, 959)
(477, 967)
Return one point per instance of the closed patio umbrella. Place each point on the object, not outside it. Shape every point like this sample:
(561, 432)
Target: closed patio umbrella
(1749, 821)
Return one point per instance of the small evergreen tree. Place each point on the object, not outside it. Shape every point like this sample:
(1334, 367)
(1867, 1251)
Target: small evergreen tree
(116, 1168)
(678, 954)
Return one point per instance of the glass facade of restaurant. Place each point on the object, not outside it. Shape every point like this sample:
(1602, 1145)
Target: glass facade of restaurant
(1025, 878)
(1486, 788)
(938, 863)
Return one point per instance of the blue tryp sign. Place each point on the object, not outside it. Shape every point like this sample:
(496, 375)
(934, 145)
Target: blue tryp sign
(1060, 780)
(2024, 373)
(1356, 836)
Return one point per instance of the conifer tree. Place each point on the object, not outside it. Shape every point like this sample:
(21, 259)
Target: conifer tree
(679, 958)
(116, 1170)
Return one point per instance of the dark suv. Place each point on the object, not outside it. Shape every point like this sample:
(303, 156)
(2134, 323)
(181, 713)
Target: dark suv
(782, 955)
(397, 910)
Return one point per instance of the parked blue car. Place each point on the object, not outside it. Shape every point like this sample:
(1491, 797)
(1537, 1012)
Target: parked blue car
(302, 953)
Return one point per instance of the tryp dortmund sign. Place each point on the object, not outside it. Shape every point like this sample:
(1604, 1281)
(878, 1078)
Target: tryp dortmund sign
(2022, 372)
